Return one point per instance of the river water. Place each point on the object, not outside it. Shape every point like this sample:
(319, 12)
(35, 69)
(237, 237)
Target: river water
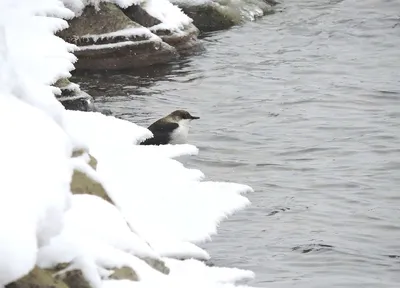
(304, 106)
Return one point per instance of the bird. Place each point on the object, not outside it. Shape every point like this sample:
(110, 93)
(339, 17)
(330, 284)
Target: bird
(171, 129)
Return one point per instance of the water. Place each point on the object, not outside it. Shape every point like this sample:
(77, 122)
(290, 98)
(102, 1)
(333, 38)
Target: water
(304, 106)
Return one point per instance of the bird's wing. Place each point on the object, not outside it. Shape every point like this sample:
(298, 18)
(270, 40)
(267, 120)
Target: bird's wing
(161, 132)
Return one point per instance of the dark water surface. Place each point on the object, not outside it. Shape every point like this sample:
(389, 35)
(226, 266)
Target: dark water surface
(304, 106)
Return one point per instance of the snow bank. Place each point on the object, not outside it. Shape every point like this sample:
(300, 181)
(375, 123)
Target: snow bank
(145, 183)
(36, 173)
(162, 209)
(35, 151)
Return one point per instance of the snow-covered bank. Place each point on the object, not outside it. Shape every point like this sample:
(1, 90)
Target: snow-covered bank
(160, 210)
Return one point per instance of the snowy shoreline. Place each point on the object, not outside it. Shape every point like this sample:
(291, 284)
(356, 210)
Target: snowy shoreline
(79, 198)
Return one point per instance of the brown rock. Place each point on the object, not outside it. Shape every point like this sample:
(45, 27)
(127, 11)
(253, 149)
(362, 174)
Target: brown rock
(157, 264)
(124, 273)
(73, 98)
(38, 278)
(89, 32)
(73, 278)
(139, 15)
(109, 18)
(184, 42)
(82, 184)
(131, 55)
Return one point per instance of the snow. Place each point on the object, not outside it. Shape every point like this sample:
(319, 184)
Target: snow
(170, 15)
(162, 209)
(77, 6)
(139, 31)
(35, 155)
(112, 45)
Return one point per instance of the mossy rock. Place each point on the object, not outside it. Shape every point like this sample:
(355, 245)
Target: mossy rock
(126, 273)
(38, 278)
(82, 184)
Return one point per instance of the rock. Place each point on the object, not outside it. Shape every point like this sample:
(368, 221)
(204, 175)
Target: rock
(157, 264)
(73, 98)
(271, 2)
(223, 14)
(139, 15)
(184, 40)
(38, 278)
(82, 184)
(124, 273)
(73, 278)
(108, 40)
(92, 161)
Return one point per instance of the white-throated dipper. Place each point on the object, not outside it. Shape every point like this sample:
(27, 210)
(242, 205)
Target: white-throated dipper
(172, 129)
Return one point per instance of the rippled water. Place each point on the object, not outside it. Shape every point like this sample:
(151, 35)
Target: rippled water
(304, 106)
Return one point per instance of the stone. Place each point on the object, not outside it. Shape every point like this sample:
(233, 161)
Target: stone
(73, 98)
(73, 278)
(223, 14)
(38, 278)
(126, 273)
(184, 41)
(157, 264)
(83, 184)
(131, 55)
(139, 15)
(101, 51)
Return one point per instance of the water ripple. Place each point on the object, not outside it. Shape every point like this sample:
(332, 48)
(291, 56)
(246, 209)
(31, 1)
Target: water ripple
(302, 105)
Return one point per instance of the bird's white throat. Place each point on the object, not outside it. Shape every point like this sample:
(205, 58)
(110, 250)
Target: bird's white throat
(180, 134)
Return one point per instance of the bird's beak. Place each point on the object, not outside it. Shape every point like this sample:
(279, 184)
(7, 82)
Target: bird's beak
(194, 117)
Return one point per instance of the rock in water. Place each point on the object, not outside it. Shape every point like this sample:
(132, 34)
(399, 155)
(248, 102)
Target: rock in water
(73, 98)
(223, 14)
(184, 40)
(109, 40)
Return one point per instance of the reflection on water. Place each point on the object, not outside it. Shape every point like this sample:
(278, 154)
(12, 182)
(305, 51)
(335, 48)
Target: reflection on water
(304, 106)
